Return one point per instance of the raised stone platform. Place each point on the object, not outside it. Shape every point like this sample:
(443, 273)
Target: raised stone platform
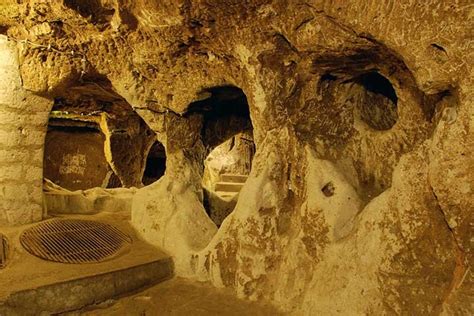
(31, 286)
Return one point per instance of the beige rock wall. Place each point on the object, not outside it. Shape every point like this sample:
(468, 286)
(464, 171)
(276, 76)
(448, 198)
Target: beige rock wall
(23, 118)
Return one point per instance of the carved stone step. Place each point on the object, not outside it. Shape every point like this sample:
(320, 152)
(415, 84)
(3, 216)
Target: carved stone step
(228, 186)
(238, 178)
(226, 195)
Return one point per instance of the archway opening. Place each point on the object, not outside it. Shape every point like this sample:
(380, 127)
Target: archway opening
(155, 164)
(95, 139)
(227, 135)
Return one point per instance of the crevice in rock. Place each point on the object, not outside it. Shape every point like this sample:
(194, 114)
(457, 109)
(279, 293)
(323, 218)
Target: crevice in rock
(328, 77)
(444, 218)
(165, 111)
(462, 267)
(439, 47)
(303, 23)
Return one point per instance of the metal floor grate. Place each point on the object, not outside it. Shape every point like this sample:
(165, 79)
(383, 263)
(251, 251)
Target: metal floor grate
(73, 240)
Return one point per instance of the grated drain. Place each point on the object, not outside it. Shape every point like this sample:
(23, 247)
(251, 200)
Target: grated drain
(73, 241)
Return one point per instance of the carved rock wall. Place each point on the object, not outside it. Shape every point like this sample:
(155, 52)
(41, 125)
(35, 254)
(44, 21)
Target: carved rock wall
(349, 208)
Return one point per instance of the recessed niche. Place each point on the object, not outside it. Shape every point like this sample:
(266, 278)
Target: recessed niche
(3, 251)
(328, 189)
(95, 139)
(74, 155)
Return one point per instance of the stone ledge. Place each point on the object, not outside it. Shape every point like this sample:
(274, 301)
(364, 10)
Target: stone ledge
(75, 294)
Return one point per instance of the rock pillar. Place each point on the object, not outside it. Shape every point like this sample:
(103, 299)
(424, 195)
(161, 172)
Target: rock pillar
(23, 123)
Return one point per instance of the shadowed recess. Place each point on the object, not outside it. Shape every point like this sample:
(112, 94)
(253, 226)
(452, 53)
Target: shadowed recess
(376, 83)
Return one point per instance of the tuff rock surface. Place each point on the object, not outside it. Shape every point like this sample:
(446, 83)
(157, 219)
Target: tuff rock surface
(360, 201)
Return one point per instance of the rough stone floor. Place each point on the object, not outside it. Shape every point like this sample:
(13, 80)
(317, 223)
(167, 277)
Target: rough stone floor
(180, 297)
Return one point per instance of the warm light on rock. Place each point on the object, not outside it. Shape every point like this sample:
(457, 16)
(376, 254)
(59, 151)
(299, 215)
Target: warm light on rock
(302, 158)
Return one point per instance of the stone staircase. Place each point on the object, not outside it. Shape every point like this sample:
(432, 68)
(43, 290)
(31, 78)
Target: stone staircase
(230, 185)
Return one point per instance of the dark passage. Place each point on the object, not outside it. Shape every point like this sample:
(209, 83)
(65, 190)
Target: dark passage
(376, 83)
(378, 101)
(155, 164)
(225, 113)
(227, 135)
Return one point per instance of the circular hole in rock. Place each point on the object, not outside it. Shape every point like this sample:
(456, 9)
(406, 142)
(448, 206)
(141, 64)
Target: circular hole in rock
(328, 189)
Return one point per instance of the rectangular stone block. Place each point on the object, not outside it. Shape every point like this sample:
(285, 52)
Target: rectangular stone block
(11, 156)
(34, 137)
(11, 138)
(10, 172)
(19, 215)
(33, 172)
(14, 192)
(32, 119)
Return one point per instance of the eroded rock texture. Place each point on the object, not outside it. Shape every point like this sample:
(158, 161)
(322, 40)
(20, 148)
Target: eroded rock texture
(360, 198)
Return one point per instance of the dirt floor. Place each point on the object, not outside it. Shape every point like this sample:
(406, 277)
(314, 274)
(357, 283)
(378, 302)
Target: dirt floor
(181, 297)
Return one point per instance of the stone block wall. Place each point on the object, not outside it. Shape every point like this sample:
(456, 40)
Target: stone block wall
(23, 121)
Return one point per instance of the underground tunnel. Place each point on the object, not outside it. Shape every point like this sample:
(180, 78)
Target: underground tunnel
(236, 157)
(227, 136)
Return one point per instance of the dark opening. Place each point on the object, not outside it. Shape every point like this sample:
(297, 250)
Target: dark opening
(328, 77)
(438, 47)
(3, 29)
(92, 9)
(328, 189)
(227, 134)
(3, 251)
(376, 83)
(225, 113)
(155, 164)
(377, 105)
